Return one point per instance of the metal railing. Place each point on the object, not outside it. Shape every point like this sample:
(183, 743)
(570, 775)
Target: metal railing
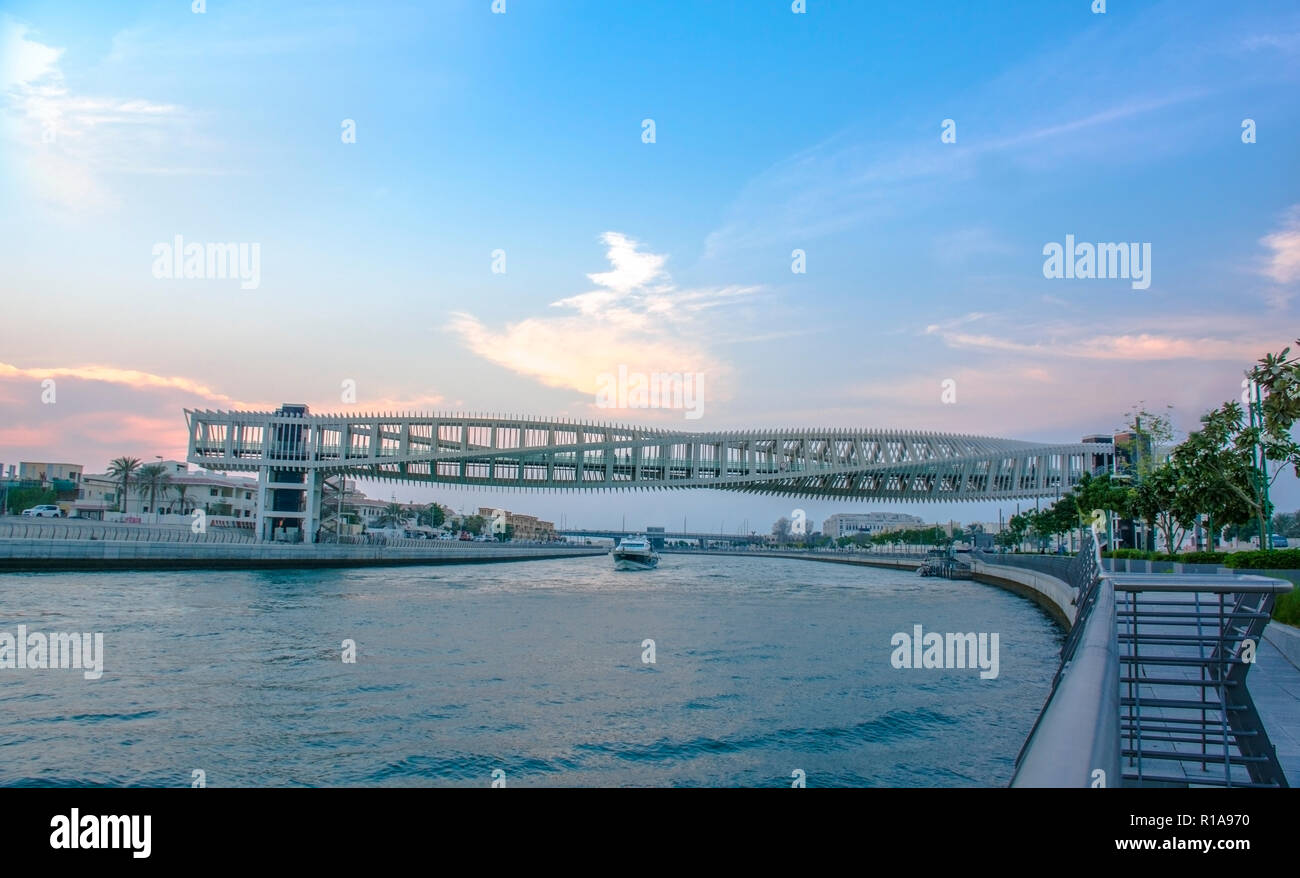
(1153, 673)
(1185, 649)
(127, 532)
(1084, 697)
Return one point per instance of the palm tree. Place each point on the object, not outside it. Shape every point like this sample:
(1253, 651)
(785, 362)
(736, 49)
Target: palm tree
(123, 469)
(150, 481)
(394, 514)
(180, 490)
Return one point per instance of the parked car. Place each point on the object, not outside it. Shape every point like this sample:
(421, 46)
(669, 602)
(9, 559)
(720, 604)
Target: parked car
(45, 510)
(1279, 541)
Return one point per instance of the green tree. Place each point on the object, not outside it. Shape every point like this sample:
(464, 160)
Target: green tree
(781, 530)
(393, 516)
(1165, 499)
(19, 499)
(182, 490)
(1218, 475)
(1153, 431)
(1269, 437)
(123, 469)
(431, 516)
(1013, 534)
(152, 481)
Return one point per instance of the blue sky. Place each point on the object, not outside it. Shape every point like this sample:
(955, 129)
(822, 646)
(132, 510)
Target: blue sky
(127, 124)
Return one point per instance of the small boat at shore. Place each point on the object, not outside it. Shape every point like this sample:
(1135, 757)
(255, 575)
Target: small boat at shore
(635, 553)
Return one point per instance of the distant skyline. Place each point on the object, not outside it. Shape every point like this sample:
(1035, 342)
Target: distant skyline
(389, 160)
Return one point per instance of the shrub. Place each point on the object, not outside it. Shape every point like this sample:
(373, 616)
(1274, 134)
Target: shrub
(1287, 607)
(1203, 557)
(1267, 559)
(1136, 554)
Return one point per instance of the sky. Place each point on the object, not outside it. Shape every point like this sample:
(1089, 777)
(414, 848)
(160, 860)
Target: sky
(459, 210)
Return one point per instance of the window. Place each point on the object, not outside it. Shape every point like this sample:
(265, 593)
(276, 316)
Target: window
(212, 492)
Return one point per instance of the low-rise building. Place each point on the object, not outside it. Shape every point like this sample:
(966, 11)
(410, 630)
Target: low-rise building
(522, 527)
(846, 524)
(50, 473)
(227, 501)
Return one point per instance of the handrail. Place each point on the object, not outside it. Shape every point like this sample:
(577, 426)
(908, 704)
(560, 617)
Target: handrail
(1084, 698)
(1124, 692)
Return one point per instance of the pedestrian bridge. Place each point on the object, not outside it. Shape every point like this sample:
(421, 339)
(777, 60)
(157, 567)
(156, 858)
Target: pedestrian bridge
(556, 454)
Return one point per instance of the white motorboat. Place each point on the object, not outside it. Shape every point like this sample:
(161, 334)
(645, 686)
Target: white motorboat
(635, 553)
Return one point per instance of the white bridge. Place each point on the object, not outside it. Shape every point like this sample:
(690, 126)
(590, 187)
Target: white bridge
(295, 452)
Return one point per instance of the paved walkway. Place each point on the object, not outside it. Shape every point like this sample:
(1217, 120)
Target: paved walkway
(1274, 684)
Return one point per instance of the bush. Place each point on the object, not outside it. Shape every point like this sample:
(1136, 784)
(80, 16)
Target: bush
(1203, 557)
(1287, 607)
(25, 498)
(1185, 558)
(1267, 559)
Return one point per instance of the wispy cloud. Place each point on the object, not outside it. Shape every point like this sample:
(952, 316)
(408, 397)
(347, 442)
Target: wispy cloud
(1087, 106)
(113, 375)
(637, 317)
(68, 142)
(1234, 340)
(1283, 265)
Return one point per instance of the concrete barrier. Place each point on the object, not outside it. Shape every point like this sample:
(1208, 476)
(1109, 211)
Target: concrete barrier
(1053, 594)
(1049, 592)
(63, 554)
(1286, 639)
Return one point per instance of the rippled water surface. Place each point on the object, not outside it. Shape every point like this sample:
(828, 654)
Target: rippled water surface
(763, 666)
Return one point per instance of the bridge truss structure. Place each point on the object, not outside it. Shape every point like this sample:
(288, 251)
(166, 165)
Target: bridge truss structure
(294, 452)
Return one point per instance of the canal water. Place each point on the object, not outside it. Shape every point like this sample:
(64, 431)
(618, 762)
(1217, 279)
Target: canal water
(534, 673)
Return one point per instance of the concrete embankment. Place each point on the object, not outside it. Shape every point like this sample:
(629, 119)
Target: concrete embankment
(62, 554)
(1053, 595)
(1286, 639)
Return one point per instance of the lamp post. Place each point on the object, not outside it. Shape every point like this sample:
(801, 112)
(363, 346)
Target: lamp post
(1256, 409)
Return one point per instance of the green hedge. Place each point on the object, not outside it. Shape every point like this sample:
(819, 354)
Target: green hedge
(1184, 558)
(1203, 557)
(1287, 607)
(1268, 559)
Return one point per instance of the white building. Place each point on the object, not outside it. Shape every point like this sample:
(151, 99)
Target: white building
(846, 524)
(227, 501)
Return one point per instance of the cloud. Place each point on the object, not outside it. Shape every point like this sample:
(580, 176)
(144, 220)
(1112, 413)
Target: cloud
(24, 61)
(632, 267)
(638, 317)
(1090, 105)
(100, 412)
(67, 142)
(1283, 264)
(135, 379)
(1233, 340)
(114, 375)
